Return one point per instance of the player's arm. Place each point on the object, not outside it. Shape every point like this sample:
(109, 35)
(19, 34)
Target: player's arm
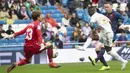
(15, 34)
(121, 18)
(39, 35)
(20, 32)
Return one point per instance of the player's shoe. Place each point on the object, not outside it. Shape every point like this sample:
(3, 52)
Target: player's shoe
(10, 68)
(81, 48)
(53, 65)
(92, 61)
(105, 68)
(124, 64)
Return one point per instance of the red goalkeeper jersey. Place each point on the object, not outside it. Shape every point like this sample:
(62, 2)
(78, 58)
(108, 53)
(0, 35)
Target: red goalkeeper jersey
(33, 33)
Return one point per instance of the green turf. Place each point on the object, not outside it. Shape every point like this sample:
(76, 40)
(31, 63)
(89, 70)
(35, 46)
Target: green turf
(69, 68)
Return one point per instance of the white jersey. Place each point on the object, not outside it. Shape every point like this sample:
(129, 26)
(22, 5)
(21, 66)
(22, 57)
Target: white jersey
(102, 21)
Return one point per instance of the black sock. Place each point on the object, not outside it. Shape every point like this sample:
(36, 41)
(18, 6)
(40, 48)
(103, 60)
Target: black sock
(103, 61)
(96, 59)
(100, 54)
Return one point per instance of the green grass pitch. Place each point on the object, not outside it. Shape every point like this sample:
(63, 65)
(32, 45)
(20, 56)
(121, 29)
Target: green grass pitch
(83, 67)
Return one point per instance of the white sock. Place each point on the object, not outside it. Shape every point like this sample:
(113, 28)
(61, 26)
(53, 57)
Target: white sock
(116, 56)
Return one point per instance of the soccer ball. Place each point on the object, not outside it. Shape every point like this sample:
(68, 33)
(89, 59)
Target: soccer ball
(82, 59)
(55, 51)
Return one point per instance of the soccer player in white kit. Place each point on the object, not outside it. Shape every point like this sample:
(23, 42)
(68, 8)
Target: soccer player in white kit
(105, 35)
(99, 49)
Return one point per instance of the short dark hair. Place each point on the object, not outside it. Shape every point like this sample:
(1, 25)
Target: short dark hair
(122, 31)
(9, 26)
(23, 6)
(91, 10)
(108, 2)
(36, 14)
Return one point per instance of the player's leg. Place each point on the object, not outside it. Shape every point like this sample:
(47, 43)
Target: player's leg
(105, 67)
(99, 56)
(114, 54)
(102, 59)
(50, 57)
(28, 57)
(99, 47)
(27, 60)
(20, 63)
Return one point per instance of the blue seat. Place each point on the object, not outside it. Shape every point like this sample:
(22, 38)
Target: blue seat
(80, 15)
(70, 28)
(128, 35)
(43, 12)
(117, 35)
(22, 21)
(67, 47)
(20, 40)
(54, 16)
(13, 41)
(61, 15)
(69, 33)
(2, 22)
(2, 41)
(51, 8)
(64, 2)
(43, 7)
(58, 20)
(55, 12)
(21, 36)
(80, 11)
(46, 11)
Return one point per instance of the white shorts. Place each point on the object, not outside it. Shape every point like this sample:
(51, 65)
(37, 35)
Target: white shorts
(106, 38)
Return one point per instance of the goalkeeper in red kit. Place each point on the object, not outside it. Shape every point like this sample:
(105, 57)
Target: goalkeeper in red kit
(34, 44)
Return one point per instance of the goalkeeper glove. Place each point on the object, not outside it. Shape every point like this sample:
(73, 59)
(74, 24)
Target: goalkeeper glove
(42, 47)
(6, 36)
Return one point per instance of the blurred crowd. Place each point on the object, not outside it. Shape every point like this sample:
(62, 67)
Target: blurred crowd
(118, 11)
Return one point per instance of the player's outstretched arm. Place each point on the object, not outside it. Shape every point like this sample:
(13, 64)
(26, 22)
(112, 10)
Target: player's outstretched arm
(6, 36)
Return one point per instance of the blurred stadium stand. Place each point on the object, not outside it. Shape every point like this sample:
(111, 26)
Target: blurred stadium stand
(17, 44)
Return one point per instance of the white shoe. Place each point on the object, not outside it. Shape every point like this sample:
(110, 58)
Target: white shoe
(81, 48)
(124, 64)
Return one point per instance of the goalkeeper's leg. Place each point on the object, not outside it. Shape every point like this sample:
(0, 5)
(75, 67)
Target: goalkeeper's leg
(50, 57)
(22, 62)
